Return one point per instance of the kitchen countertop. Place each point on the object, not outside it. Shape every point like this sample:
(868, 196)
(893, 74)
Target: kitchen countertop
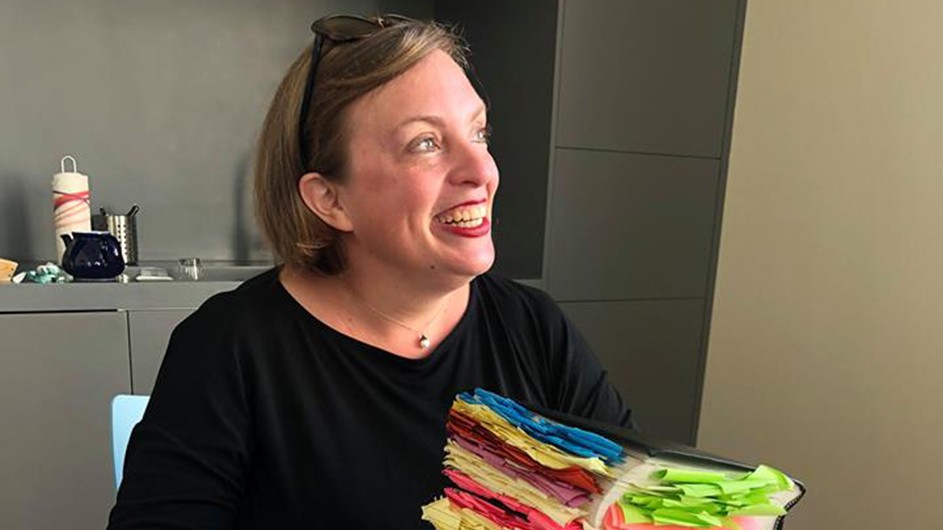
(110, 296)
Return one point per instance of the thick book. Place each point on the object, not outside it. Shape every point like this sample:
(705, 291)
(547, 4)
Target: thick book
(519, 466)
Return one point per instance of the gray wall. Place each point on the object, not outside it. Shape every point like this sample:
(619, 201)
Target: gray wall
(825, 356)
(159, 100)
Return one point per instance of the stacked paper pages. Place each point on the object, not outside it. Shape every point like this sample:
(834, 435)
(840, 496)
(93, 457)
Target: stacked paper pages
(514, 469)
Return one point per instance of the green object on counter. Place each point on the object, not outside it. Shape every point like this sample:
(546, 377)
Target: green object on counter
(43, 274)
(704, 499)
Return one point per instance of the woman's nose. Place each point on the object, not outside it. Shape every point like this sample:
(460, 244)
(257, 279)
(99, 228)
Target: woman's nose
(474, 165)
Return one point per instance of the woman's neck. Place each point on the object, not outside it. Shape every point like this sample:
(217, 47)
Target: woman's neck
(410, 299)
(402, 318)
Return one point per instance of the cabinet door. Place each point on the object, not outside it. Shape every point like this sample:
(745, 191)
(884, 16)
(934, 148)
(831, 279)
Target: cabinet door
(650, 76)
(59, 374)
(652, 352)
(630, 226)
(150, 333)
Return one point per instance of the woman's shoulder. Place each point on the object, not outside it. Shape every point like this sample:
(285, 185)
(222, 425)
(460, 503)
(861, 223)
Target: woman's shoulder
(250, 304)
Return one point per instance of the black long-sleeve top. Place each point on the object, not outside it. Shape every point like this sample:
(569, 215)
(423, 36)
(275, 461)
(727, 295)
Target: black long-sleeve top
(264, 417)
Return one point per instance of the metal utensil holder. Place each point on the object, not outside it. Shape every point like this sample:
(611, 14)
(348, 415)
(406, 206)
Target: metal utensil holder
(124, 228)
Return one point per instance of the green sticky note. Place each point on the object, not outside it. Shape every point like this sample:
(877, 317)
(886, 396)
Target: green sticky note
(684, 518)
(687, 475)
(756, 498)
(696, 503)
(773, 476)
(714, 509)
(731, 500)
(643, 501)
(711, 520)
(671, 503)
(759, 509)
(633, 515)
(656, 491)
(655, 487)
(703, 499)
(700, 490)
(741, 486)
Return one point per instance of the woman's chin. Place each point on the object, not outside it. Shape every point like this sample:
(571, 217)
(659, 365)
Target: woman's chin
(471, 266)
(469, 257)
(483, 262)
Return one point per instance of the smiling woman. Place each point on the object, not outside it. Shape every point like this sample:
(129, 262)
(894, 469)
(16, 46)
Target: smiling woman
(419, 154)
(316, 394)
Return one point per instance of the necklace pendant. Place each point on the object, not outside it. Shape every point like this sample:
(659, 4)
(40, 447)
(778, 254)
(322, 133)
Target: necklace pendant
(423, 341)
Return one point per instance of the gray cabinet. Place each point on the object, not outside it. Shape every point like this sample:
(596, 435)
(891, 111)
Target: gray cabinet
(65, 351)
(645, 92)
(629, 226)
(59, 373)
(149, 334)
(650, 349)
(649, 76)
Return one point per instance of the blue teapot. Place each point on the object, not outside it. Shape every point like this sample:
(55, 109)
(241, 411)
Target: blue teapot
(92, 255)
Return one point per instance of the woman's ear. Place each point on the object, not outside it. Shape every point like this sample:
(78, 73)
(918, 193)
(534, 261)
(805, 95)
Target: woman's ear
(321, 197)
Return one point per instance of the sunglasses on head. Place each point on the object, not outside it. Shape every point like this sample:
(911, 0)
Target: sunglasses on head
(337, 29)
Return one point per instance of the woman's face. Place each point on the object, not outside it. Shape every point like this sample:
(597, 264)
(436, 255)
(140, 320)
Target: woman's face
(420, 183)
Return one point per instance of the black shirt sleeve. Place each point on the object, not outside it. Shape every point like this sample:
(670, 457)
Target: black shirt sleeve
(583, 386)
(579, 384)
(186, 461)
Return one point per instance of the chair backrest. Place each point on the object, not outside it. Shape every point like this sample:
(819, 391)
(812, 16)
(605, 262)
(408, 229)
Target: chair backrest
(126, 412)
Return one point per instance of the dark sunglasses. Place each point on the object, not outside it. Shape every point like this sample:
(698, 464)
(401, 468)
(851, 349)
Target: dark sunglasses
(338, 29)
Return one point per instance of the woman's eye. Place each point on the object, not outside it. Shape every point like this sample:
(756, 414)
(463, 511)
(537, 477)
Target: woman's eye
(483, 135)
(425, 145)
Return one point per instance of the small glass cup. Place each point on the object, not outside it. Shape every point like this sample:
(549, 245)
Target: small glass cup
(189, 269)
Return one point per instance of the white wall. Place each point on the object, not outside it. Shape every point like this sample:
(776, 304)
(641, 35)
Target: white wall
(826, 350)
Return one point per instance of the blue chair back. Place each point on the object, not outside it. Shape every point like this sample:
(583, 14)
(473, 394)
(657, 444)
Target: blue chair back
(126, 412)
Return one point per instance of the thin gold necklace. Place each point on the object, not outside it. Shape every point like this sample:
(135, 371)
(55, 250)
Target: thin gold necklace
(423, 338)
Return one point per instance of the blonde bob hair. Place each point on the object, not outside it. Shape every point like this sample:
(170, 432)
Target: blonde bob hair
(345, 72)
